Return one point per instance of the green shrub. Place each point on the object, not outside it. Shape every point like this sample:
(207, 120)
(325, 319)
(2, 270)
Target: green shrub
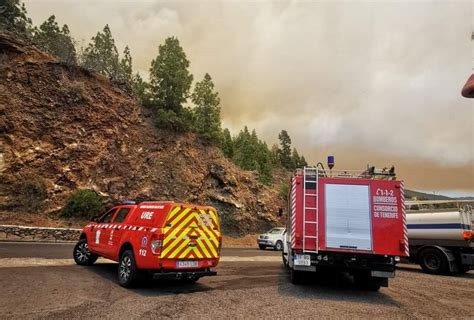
(83, 204)
(284, 190)
(31, 190)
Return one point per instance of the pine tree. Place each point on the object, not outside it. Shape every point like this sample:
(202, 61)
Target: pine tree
(227, 145)
(170, 82)
(102, 56)
(265, 167)
(295, 159)
(243, 150)
(303, 162)
(274, 155)
(140, 88)
(285, 150)
(250, 153)
(126, 70)
(207, 113)
(14, 17)
(55, 40)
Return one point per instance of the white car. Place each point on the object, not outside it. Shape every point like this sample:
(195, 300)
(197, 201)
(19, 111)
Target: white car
(272, 238)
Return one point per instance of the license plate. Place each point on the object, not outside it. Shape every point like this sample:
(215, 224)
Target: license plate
(302, 260)
(187, 264)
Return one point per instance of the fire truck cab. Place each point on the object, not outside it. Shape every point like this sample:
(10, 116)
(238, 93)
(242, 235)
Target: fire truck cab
(349, 221)
(166, 239)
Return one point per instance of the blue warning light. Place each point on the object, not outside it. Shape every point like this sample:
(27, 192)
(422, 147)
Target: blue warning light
(331, 162)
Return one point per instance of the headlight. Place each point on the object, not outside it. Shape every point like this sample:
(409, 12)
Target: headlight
(397, 258)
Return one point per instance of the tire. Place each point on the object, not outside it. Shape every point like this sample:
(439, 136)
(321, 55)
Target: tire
(367, 283)
(278, 246)
(128, 273)
(295, 276)
(433, 261)
(82, 255)
(284, 259)
(261, 246)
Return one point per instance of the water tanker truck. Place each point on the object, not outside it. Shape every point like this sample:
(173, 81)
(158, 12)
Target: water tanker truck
(442, 242)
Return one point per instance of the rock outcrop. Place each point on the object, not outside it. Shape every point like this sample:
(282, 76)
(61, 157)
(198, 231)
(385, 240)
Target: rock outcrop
(74, 129)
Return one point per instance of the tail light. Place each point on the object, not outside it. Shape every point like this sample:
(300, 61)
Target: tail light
(156, 243)
(467, 235)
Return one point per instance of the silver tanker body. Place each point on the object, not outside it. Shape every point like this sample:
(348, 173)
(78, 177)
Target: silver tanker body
(453, 225)
(442, 242)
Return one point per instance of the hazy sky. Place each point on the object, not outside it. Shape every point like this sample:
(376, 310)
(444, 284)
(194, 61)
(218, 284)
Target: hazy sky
(369, 82)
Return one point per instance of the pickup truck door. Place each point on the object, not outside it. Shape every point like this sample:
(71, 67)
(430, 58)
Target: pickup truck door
(116, 231)
(101, 232)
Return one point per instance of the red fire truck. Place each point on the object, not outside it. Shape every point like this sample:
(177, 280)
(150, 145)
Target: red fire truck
(348, 221)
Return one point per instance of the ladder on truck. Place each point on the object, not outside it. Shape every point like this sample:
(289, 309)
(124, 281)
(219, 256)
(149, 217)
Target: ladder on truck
(310, 178)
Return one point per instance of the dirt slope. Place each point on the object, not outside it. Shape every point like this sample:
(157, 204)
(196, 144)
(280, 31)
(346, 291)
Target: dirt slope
(76, 130)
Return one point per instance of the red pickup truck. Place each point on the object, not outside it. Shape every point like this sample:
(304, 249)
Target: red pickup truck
(166, 239)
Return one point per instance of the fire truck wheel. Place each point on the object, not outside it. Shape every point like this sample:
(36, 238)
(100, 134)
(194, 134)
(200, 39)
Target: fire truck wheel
(279, 245)
(433, 261)
(365, 282)
(82, 255)
(295, 276)
(127, 270)
(262, 247)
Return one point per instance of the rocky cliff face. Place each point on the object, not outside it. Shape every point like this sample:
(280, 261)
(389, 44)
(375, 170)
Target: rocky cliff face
(74, 129)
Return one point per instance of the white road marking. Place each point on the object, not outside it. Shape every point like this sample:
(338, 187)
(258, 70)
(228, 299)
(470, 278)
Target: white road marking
(251, 259)
(42, 262)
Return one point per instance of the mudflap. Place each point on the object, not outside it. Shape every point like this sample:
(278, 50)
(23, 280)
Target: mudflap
(453, 267)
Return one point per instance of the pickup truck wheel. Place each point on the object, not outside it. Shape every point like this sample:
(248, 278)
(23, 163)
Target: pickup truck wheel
(261, 246)
(127, 271)
(278, 246)
(82, 255)
(433, 261)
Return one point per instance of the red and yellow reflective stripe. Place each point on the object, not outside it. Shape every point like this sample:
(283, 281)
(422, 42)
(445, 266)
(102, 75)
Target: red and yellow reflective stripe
(191, 233)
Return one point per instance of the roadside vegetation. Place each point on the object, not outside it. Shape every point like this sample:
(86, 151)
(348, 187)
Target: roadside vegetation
(82, 202)
(177, 104)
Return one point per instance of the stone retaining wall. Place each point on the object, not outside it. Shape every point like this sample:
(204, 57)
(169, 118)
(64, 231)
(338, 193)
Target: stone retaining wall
(10, 232)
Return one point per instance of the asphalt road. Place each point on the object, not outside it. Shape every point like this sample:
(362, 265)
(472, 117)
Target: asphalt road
(39, 280)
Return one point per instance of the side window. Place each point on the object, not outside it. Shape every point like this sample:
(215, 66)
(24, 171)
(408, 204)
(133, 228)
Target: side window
(121, 215)
(107, 218)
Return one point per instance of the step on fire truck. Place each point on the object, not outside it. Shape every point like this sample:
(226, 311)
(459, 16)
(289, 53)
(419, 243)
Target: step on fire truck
(346, 221)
